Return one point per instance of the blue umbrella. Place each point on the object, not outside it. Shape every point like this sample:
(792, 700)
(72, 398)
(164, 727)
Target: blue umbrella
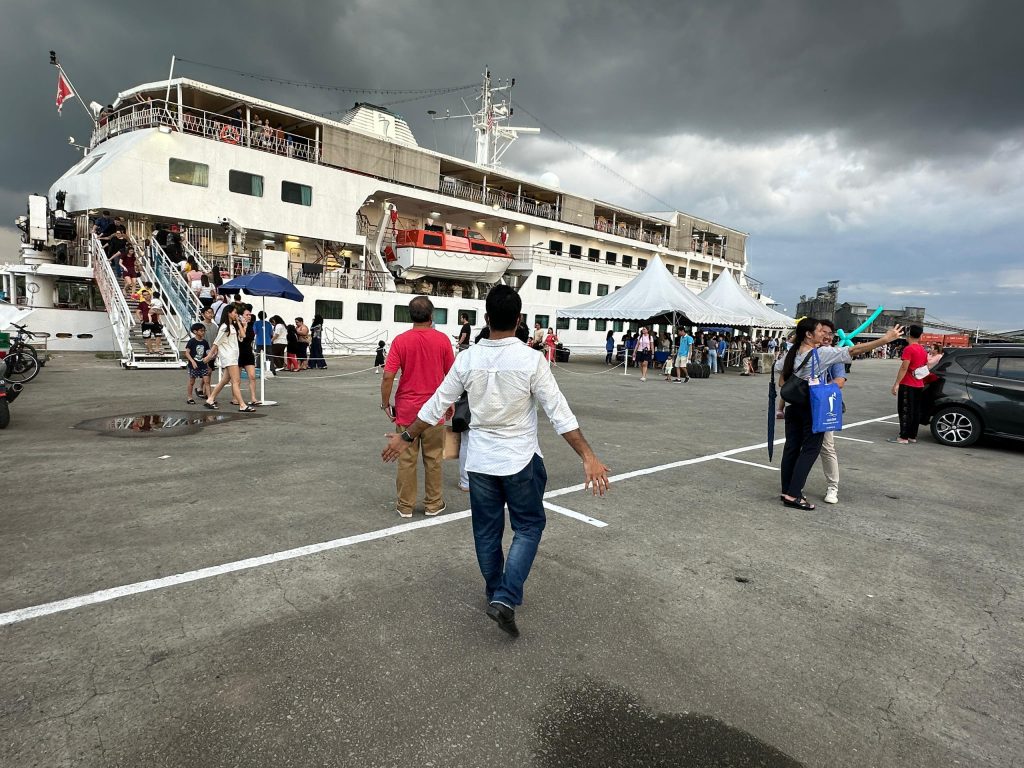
(264, 284)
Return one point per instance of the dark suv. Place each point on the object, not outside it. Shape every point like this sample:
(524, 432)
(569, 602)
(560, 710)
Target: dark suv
(980, 390)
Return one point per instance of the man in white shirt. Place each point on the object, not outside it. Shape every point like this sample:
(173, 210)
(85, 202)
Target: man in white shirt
(505, 380)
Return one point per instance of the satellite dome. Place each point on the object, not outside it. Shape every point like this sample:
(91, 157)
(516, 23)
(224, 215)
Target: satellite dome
(548, 179)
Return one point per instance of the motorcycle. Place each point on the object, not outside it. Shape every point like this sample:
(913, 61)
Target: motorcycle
(9, 391)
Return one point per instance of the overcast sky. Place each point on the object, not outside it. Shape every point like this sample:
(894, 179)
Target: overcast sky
(875, 143)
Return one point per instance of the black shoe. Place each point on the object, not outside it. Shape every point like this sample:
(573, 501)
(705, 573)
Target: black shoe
(505, 616)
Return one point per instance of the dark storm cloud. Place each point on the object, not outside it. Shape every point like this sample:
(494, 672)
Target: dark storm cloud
(899, 84)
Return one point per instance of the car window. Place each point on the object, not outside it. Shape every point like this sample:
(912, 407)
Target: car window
(991, 368)
(1011, 368)
(971, 363)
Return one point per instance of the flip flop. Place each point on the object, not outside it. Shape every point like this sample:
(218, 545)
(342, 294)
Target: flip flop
(247, 409)
(803, 504)
(211, 406)
(190, 401)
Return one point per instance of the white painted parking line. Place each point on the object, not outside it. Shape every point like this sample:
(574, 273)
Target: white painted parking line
(749, 463)
(575, 515)
(852, 439)
(105, 595)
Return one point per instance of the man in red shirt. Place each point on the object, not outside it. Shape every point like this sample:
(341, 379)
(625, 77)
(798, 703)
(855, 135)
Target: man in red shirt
(909, 386)
(424, 356)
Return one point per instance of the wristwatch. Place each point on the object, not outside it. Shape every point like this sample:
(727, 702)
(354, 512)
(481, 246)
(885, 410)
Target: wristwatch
(407, 437)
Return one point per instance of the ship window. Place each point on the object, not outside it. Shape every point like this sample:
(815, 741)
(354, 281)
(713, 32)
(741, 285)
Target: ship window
(705, 276)
(610, 257)
(593, 254)
(542, 319)
(641, 264)
(582, 325)
(601, 325)
(616, 325)
(329, 310)
(543, 283)
(470, 313)
(564, 285)
(602, 289)
(369, 312)
(555, 247)
(671, 268)
(245, 183)
(92, 161)
(562, 323)
(187, 172)
(299, 194)
(575, 251)
(440, 316)
(432, 240)
(693, 274)
(627, 261)
(584, 288)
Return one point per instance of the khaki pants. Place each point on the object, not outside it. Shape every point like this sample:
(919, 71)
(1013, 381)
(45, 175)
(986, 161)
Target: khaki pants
(830, 461)
(431, 444)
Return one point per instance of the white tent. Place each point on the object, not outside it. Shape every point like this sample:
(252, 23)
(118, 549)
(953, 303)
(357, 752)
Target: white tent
(726, 294)
(653, 292)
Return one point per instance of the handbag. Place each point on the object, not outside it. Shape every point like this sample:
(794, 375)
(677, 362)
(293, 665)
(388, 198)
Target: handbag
(921, 372)
(461, 417)
(826, 403)
(794, 389)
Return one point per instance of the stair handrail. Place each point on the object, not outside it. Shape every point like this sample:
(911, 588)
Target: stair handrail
(120, 315)
(174, 286)
(197, 258)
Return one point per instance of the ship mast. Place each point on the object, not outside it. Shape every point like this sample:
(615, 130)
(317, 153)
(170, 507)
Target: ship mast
(493, 135)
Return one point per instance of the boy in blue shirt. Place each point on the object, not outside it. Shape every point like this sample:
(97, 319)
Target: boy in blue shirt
(683, 355)
(198, 354)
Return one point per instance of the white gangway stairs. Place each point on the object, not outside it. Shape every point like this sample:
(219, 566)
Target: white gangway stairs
(127, 329)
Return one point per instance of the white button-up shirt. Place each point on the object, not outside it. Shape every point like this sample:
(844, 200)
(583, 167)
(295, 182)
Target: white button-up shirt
(505, 380)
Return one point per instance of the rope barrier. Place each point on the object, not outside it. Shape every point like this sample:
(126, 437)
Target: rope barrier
(328, 376)
(578, 373)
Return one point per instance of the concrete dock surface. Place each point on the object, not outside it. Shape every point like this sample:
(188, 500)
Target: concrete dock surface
(244, 594)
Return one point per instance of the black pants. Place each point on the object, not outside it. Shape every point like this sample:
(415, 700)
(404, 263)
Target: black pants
(801, 450)
(910, 411)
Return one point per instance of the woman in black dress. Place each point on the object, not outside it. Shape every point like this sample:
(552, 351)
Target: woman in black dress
(316, 349)
(246, 355)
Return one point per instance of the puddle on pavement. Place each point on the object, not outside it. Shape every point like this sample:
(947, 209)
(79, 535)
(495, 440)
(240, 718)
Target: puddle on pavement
(589, 724)
(165, 424)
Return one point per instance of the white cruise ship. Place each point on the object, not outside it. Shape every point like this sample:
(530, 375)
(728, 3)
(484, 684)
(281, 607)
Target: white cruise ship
(353, 211)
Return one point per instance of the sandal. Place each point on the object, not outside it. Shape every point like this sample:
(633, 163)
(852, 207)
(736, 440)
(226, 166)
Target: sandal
(247, 409)
(254, 403)
(211, 406)
(803, 504)
(190, 401)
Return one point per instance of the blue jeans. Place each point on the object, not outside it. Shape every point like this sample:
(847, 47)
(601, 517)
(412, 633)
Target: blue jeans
(713, 360)
(523, 492)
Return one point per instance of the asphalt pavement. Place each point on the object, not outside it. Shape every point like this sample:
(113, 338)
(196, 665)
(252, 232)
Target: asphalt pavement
(243, 592)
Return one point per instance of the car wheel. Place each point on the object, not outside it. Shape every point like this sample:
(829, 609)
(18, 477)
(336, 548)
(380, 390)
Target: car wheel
(956, 426)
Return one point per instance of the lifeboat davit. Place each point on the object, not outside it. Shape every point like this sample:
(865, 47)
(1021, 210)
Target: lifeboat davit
(458, 254)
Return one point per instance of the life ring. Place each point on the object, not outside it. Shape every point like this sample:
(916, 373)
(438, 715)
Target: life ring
(230, 134)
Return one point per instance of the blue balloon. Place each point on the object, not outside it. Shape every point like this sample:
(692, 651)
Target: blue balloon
(846, 339)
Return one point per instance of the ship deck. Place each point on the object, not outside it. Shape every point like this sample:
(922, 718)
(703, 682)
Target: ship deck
(157, 606)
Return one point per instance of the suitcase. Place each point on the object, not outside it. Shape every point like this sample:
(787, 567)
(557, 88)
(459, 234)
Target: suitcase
(698, 370)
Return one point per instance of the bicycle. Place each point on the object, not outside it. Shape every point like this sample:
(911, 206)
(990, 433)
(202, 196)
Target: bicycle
(22, 361)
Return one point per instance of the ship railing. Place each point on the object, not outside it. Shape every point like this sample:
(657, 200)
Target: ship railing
(183, 305)
(192, 254)
(335, 341)
(210, 125)
(238, 264)
(120, 315)
(476, 193)
(358, 279)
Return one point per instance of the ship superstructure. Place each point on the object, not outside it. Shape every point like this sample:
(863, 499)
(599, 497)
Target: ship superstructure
(353, 211)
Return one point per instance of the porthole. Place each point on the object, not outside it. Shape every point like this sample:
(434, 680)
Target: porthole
(85, 335)
(65, 335)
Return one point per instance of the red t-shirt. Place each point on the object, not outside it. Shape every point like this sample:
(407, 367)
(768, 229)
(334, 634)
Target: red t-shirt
(917, 356)
(424, 356)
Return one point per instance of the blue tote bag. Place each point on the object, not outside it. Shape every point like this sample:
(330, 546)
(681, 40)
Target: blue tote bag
(826, 401)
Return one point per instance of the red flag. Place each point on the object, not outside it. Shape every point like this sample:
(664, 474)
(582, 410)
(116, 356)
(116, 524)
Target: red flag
(64, 91)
